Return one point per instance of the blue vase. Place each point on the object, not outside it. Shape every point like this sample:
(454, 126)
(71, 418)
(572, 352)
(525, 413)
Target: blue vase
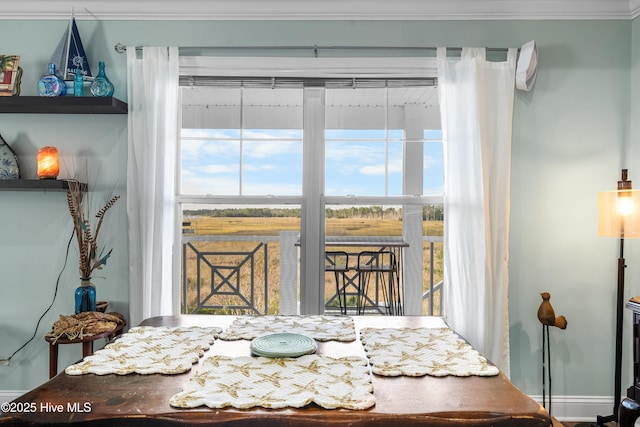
(101, 85)
(51, 84)
(85, 296)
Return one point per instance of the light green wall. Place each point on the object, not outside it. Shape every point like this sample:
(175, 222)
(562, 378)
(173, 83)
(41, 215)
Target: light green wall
(567, 143)
(568, 138)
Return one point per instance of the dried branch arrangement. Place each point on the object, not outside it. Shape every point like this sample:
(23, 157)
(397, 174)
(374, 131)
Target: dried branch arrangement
(91, 256)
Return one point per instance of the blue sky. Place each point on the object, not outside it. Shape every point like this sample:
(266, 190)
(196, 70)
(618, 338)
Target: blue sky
(272, 162)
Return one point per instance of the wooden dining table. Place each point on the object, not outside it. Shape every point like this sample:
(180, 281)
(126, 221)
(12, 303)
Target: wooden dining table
(143, 400)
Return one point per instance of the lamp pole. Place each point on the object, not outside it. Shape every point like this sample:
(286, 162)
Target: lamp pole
(623, 185)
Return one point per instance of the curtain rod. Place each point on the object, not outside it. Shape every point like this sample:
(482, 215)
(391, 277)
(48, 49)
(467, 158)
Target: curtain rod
(120, 48)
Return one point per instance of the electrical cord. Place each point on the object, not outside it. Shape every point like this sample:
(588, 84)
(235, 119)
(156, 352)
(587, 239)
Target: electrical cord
(66, 258)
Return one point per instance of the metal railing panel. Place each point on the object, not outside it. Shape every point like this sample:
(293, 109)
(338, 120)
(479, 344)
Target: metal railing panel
(228, 281)
(239, 275)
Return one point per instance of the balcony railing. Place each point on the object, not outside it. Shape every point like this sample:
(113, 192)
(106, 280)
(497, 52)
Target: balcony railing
(435, 291)
(232, 275)
(225, 274)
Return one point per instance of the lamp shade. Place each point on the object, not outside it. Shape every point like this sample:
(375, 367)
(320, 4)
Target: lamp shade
(619, 213)
(48, 164)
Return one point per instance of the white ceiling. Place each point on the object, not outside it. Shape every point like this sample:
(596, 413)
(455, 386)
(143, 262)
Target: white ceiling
(321, 9)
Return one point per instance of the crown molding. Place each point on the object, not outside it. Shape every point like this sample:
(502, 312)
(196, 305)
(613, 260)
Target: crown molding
(634, 8)
(321, 9)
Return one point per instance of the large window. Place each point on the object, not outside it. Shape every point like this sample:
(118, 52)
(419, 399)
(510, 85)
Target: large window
(247, 201)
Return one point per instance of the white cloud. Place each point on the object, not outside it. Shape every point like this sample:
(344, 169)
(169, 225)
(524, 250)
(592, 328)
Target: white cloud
(217, 169)
(201, 186)
(198, 149)
(395, 166)
(259, 189)
(266, 149)
(218, 148)
(372, 170)
(345, 151)
(191, 149)
(430, 161)
(258, 168)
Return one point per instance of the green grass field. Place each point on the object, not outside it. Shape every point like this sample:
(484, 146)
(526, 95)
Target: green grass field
(252, 226)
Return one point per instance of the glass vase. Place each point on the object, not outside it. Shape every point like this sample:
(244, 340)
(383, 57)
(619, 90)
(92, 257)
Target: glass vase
(101, 85)
(78, 83)
(85, 296)
(51, 84)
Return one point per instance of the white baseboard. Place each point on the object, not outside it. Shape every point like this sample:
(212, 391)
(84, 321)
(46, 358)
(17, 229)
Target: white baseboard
(578, 408)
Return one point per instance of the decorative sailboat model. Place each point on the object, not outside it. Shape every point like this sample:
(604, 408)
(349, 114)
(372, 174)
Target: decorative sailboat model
(69, 56)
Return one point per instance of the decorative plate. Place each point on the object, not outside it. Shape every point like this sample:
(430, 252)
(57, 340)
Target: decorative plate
(283, 345)
(8, 162)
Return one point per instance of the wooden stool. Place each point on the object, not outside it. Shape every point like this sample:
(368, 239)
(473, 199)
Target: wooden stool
(87, 345)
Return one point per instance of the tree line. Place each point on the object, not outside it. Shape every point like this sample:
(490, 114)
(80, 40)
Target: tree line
(429, 212)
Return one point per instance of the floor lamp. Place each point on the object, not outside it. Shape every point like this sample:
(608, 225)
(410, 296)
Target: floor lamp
(618, 216)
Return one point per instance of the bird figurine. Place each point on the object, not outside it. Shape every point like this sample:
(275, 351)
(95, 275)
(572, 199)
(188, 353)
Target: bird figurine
(547, 316)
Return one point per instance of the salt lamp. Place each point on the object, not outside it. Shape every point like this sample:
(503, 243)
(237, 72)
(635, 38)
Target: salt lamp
(48, 164)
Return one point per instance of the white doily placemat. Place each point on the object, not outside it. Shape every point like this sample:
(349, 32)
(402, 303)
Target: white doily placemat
(149, 350)
(421, 351)
(246, 382)
(320, 328)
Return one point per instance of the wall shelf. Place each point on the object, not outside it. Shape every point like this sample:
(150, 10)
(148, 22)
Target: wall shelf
(62, 105)
(36, 185)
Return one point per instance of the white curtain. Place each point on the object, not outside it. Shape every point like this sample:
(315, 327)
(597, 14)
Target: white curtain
(153, 119)
(476, 98)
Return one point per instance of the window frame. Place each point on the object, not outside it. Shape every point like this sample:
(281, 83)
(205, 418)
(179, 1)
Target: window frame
(312, 201)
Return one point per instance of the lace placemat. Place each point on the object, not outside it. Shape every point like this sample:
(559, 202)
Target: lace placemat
(149, 350)
(420, 351)
(245, 382)
(320, 328)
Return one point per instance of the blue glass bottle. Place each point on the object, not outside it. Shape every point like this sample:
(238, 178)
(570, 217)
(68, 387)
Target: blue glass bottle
(51, 84)
(101, 85)
(78, 84)
(85, 296)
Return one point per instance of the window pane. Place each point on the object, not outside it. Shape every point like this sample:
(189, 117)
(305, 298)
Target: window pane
(210, 166)
(365, 226)
(272, 142)
(395, 134)
(433, 163)
(238, 141)
(432, 259)
(357, 119)
(354, 168)
(272, 167)
(360, 222)
(355, 149)
(371, 168)
(232, 255)
(395, 169)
